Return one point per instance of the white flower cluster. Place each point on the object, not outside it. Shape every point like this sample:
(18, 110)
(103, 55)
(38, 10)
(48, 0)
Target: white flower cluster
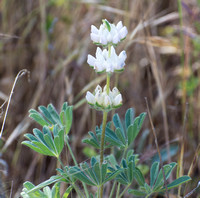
(100, 100)
(107, 62)
(108, 33)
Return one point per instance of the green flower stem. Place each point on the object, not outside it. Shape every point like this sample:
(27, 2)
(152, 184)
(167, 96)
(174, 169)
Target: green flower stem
(98, 191)
(108, 83)
(105, 115)
(124, 191)
(112, 190)
(75, 162)
(109, 50)
(118, 190)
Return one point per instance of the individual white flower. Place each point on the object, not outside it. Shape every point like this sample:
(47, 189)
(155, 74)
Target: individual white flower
(107, 101)
(90, 98)
(117, 100)
(108, 33)
(102, 101)
(114, 93)
(105, 62)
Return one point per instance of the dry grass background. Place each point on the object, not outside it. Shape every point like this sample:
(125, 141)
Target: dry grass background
(51, 40)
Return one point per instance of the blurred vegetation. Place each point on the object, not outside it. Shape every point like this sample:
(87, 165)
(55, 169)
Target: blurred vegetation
(51, 39)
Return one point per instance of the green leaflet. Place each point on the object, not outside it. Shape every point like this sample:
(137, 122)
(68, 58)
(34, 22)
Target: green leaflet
(37, 117)
(154, 172)
(107, 24)
(94, 175)
(46, 114)
(178, 181)
(136, 192)
(129, 117)
(118, 124)
(51, 109)
(67, 192)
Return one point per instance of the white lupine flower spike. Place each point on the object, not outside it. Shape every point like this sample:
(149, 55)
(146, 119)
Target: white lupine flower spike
(105, 63)
(102, 101)
(108, 34)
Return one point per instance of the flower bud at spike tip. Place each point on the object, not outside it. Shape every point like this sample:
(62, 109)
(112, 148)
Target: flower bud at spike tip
(108, 34)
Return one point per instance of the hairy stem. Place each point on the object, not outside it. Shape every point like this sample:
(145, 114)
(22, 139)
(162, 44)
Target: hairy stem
(103, 136)
(102, 145)
(105, 114)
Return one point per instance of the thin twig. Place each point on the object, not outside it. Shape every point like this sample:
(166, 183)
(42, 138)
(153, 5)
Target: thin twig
(194, 162)
(192, 190)
(182, 146)
(11, 189)
(20, 74)
(156, 142)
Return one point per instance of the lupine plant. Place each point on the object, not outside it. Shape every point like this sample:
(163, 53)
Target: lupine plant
(123, 171)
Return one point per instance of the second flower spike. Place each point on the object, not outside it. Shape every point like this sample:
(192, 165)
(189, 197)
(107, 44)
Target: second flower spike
(102, 101)
(105, 62)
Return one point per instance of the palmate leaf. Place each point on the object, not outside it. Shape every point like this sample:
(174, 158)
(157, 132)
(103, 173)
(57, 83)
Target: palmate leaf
(30, 190)
(93, 174)
(127, 170)
(48, 116)
(122, 136)
(157, 180)
(43, 142)
(160, 179)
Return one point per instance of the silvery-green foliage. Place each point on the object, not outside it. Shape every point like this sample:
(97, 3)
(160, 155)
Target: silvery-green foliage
(122, 136)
